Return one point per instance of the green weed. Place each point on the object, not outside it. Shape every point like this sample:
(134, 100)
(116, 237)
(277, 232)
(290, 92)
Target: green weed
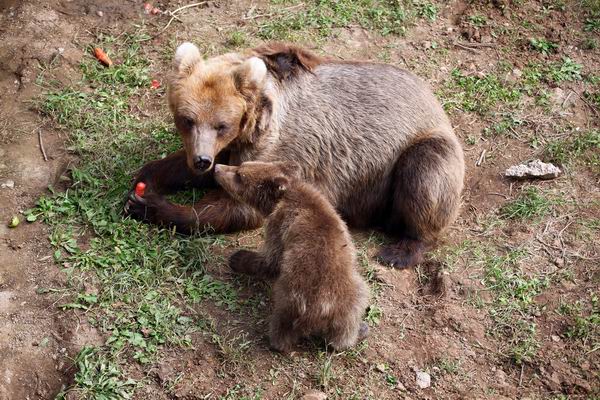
(513, 305)
(543, 46)
(529, 204)
(320, 17)
(477, 20)
(427, 10)
(478, 93)
(581, 147)
(98, 377)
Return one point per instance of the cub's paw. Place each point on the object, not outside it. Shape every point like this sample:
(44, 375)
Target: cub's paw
(147, 208)
(245, 262)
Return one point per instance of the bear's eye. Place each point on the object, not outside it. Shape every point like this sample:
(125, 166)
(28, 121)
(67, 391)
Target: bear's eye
(187, 122)
(222, 127)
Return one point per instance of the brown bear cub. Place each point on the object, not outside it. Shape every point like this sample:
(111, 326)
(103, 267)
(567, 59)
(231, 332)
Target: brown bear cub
(309, 253)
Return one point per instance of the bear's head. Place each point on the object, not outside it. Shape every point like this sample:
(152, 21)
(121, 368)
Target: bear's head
(258, 184)
(215, 102)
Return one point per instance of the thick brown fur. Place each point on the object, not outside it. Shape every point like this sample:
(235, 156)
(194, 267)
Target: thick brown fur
(371, 137)
(307, 250)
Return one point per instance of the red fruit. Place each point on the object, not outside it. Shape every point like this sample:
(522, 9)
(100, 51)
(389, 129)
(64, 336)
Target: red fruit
(155, 11)
(140, 188)
(148, 8)
(155, 84)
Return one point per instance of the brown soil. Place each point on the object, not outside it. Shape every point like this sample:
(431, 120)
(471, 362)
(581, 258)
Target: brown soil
(427, 317)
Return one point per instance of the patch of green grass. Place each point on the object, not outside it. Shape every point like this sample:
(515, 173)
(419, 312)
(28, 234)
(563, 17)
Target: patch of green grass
(427, 10)
(513, 304)
(479, 94)
(143, 279)
(236, 39)
(581, 147)
(98, 377)
(592, 25)
(374, 315)
(585, 328)
(478, 20)
(505, 127)
(543, 46)
(531, 203)
(567, 70)
(448, 365)
(320, 17)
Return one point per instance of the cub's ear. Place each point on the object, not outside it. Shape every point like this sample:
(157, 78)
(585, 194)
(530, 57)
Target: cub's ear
(186, 56)
(251, 73)
(290, 169)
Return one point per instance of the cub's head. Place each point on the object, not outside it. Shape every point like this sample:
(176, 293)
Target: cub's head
(258, 184)
(214, 102)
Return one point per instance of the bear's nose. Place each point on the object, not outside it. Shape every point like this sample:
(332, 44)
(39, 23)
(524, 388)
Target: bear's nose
(202, 163)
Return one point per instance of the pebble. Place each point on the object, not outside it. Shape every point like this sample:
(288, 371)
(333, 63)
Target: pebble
(423, 379)
(9, 184)
(555, 338)
(100, 13)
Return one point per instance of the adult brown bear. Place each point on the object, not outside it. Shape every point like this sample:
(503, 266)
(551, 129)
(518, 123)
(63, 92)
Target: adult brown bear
(371, 137)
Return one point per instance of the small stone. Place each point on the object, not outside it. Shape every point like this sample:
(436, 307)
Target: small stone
(380, 367)
(400, 387)
(555, 338)
(100, 13)
(533, 169)
(9, 184)
(423, 379)
(314, 395)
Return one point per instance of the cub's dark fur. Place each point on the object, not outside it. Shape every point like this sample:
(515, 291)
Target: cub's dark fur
(307, 250)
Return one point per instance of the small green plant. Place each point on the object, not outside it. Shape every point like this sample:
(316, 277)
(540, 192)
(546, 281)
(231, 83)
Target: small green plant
(374, 314)
(427, 10)
(236, 39)
(478, 93)
(543, 46)
(568, 70)
(98, 377)
(581, 147)
(477, 20)
(449, 365)
(529, 204)
(592, 25)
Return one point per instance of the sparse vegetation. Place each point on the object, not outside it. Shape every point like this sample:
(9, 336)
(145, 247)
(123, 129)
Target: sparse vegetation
(152, 294)
(529, 204)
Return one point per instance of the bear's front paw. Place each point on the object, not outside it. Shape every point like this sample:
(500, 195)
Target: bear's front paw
(147, 208)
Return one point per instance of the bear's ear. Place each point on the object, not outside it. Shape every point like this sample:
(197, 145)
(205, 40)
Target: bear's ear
(251, 73)
(186, 56)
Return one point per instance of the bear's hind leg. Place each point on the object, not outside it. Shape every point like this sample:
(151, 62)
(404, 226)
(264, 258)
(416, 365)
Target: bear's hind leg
(428, 180)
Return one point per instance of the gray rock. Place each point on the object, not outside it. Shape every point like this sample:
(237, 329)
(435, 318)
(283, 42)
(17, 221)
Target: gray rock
(9, 184)
(533, 169)
(423, 379)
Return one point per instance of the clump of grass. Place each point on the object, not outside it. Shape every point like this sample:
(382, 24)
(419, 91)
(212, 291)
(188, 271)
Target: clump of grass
(320, 17)
(479, 94)
(236, 39)
(543, 46)
(513, 304)
(582, 147)
(529, 204)
(477, 20)
(98, 377)
(427, 10)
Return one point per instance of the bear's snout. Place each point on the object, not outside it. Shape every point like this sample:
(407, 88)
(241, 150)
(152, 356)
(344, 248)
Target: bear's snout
(202, 163)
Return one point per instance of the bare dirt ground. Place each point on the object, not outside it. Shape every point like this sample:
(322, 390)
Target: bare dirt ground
(508, 307)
